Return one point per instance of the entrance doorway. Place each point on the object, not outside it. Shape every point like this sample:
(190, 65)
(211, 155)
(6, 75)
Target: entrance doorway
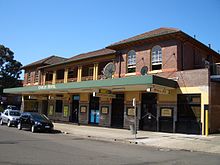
(94, 110)
(117, 116)
(148, 121)
(75, 109)
(166, 119)
(189, 114)
(44, 107)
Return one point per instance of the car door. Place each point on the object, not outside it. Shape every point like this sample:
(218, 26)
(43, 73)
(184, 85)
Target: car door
(25, 118)
(5, 117)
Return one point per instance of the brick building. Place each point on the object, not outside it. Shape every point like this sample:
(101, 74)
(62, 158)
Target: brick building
(172, 77)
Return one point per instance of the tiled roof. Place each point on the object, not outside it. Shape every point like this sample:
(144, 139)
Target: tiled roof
(46, 61)
(95, 53)
(150, 34)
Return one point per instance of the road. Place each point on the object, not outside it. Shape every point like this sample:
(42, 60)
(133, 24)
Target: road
(26, 148)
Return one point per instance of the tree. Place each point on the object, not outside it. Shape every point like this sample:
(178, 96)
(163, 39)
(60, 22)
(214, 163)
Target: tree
(9, 69)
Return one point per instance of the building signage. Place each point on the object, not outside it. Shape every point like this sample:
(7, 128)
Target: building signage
(159, 90)
(104, 110)
(66, 111)
(166, 112)
(83, 109)
(45, 87)
(105, 93)
(131, 111)
(51, 110)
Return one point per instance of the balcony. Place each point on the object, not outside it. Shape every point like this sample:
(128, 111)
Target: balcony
(100, 77)
(59, 81)
(72, 79)
(48, 82)
(87, 78)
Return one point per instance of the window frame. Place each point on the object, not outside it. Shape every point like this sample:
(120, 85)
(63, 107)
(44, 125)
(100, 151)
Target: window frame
(156, 58)
(90, 71)
(131, 61)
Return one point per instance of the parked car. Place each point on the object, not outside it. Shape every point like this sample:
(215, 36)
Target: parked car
(35, 122)
(10, 117)
(12, 107)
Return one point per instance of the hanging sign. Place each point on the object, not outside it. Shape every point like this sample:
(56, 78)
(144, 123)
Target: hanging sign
(105, 93)
(160, 90)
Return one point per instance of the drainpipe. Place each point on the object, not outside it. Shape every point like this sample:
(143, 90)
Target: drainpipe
(182, 58)
(119, 56)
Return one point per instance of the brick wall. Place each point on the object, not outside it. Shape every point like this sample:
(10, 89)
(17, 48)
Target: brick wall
(215, 107)
(143, 56)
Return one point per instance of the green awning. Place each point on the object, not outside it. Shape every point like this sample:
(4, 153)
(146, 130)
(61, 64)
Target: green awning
(129, 82)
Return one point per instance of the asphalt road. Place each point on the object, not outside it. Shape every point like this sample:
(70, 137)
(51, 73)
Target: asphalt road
(26, 148)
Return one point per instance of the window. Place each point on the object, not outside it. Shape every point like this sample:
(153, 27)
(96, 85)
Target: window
(156, 60)
(29, 77)
(60, 74)
(90, 71)
(131, 64)
(49, 76)
(59, 106)
(36, 79)
(70, 73)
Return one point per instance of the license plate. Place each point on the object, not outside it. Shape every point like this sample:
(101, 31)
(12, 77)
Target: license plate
(47, 126)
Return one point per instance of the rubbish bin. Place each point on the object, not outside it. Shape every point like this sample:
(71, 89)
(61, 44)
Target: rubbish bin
(132, 129)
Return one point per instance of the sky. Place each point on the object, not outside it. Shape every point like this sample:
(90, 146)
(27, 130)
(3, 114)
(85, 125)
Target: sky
(36, 29)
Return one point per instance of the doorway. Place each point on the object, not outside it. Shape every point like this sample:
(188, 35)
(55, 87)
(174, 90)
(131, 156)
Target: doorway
(45, 107)
(75, 109)
(148, 120)
(189, 114)
(166, 119)
(94, 110)
(117, 116)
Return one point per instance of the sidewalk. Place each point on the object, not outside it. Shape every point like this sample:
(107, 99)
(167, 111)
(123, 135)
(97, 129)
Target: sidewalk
(163, 141)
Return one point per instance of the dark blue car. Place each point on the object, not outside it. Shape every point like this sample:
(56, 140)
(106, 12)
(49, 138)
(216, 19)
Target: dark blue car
(35, 122)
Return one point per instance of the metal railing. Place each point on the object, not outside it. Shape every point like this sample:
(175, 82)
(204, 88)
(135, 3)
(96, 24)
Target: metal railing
(71, 79)
(86, 78)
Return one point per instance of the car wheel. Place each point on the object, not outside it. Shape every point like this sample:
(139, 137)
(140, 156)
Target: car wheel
(9, 123)
(33, 129)
(1, 122)
(19, 126)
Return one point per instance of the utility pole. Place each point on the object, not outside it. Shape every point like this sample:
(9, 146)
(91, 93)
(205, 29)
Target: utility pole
(135, 118)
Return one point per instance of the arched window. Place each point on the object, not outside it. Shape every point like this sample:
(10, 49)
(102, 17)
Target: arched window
(156, 60)
(131, 64)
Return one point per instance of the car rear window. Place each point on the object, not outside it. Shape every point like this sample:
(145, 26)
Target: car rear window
(14, 113)
(39, 117)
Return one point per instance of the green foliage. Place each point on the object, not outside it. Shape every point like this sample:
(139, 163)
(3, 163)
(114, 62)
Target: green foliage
(9, 69)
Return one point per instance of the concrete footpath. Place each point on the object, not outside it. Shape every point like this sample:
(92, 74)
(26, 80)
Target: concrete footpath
(162, 141)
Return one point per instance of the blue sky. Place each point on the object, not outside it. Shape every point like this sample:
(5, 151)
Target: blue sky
(35, 29)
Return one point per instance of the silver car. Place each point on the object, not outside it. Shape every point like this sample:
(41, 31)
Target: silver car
(10, 117)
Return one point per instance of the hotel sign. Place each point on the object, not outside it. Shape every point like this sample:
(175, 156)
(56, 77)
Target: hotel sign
(105, 93)
(45, 87)
(160, 90)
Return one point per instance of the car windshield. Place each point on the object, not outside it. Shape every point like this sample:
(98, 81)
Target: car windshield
(14, 108)
(39, 117)
(14, 113)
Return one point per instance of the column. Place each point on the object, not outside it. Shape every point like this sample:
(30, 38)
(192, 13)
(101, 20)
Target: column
(43, 79)
(95, 71)
(79, 74)
(66, 75)
(54, 78)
